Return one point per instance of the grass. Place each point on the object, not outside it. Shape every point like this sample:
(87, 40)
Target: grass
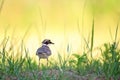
(73, 67)
(15, 66)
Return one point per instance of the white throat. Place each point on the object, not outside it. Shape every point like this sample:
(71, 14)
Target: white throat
(45, 44)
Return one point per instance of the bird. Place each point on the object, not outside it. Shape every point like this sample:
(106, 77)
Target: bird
(44, 51)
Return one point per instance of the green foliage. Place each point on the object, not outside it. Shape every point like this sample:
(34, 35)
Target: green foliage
(111, 60)
(80, 61)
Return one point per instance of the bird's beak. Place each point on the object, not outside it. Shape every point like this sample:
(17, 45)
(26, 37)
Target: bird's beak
(52, 43)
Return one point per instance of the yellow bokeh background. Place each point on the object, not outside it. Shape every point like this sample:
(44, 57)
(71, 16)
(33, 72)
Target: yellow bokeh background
(65, 22)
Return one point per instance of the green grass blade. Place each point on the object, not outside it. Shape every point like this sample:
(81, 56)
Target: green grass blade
(110, 34)
(116, 32)
(92, 38)
(1, 5)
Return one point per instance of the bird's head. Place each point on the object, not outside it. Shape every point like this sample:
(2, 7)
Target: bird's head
(47, 41)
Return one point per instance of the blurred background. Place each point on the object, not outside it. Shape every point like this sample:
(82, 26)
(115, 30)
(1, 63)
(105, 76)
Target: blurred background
(65, 22)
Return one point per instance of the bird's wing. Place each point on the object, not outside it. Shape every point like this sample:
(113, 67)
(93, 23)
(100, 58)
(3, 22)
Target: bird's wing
(40, 50)
(47, 50)
(44, 49)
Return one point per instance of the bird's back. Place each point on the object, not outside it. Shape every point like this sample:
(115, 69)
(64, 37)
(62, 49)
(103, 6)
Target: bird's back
(44, 50)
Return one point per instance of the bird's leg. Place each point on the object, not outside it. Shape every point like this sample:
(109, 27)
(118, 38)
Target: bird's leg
(47, 62)
(39, 63)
